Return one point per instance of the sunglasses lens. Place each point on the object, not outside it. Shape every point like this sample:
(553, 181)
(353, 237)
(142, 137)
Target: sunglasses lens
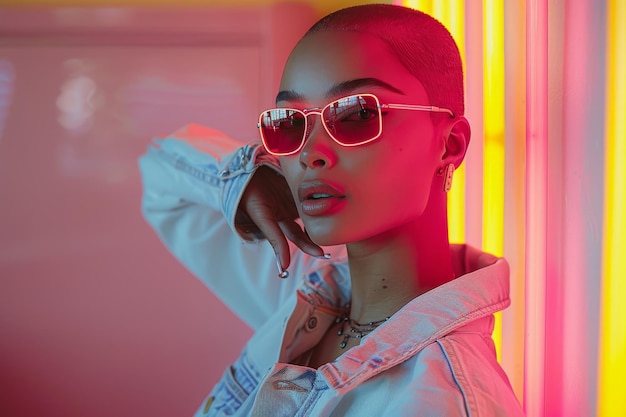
(353, 120)
(282, 130)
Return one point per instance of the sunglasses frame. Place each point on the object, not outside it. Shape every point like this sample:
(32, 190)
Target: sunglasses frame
(320, 111)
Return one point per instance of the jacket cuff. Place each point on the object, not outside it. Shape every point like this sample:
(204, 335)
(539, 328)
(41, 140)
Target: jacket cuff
(235, 176)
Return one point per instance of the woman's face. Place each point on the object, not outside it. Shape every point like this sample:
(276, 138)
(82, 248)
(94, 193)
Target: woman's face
(350, 194)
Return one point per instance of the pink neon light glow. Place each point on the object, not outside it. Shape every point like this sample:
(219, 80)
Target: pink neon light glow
(573, 367)
(536, 203)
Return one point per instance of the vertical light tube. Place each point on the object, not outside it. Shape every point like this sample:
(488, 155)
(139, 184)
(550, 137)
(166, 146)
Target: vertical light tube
(515, 198)
(493, 165)
(536, 202)
(572, 378)
(612, 352)
(453, 17)
(473, 166)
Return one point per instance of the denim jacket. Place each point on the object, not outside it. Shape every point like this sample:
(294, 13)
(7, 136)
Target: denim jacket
(434, 357)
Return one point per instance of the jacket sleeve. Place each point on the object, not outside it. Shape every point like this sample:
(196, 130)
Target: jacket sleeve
(193, 181)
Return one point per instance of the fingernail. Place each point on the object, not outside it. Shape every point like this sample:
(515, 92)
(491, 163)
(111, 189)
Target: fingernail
(282, 273)
(324, 256)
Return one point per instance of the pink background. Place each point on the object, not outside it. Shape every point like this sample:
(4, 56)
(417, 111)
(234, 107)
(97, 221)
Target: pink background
(96, 317)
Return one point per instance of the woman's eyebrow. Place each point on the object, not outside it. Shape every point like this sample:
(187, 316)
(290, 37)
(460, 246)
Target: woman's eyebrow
(351, 85)
(339, 89)
(289, 95)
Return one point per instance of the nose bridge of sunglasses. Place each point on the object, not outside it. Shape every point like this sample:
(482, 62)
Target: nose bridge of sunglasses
(312, 122)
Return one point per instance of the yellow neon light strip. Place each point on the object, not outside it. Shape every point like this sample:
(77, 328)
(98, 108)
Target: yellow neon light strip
(453, 17)
(612, 351)
(493, 111)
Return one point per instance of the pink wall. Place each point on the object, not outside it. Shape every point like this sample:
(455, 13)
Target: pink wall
(96, 318)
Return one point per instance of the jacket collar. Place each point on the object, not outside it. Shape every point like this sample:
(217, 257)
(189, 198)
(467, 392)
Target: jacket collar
(481, 289)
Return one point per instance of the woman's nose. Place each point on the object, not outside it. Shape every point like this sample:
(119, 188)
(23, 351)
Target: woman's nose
(319, 149)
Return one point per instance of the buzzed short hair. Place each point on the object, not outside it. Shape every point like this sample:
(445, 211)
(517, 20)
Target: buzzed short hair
(420, 42)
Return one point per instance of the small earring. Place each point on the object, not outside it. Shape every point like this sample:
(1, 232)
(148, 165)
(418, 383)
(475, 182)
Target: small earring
(447, 177)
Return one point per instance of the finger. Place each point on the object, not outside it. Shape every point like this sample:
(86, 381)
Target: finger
(276, 238)
(300, 238)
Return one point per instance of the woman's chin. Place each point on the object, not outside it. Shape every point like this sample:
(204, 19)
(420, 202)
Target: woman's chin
(331, 231)
(324, 237)
(325, 240)
(332, 238)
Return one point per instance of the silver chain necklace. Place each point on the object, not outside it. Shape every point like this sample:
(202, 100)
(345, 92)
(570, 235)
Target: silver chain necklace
(356, 329)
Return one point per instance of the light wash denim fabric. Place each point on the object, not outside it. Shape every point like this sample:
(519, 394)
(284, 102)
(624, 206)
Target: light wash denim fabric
(434, 357)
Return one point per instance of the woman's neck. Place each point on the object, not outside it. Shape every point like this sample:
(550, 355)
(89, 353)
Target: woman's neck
(391, 269)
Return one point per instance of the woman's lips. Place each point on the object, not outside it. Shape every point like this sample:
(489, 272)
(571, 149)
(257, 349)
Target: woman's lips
(319, 198)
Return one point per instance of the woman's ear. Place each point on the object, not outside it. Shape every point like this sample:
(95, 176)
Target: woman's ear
(456, 136)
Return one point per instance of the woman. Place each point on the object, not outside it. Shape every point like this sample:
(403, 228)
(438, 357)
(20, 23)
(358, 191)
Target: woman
(357, 157)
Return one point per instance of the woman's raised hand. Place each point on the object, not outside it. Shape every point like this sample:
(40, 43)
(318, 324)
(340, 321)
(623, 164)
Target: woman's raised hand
(269, 204)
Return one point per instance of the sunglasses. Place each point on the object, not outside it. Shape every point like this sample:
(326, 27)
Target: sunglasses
(350, 121)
